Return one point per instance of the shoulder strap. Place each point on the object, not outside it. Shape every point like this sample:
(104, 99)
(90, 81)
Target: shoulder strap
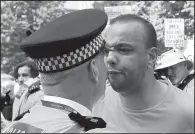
(21, 116)
(87, 122)
(186, 81)
(34, 87)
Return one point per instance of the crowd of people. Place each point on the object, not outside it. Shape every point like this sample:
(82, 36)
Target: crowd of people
(14, 97)
(81, 81)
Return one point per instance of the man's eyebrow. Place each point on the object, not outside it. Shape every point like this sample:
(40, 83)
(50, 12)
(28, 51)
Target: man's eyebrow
(24, 73)
(119, 44)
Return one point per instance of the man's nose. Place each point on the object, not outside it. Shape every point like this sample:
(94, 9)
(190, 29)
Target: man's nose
(20, 79)
(111, 59)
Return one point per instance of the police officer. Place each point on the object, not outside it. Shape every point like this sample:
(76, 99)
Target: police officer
(25, 74)
(69, 54)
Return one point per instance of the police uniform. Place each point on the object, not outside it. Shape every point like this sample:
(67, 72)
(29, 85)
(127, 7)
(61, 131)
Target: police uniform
(27, 96)
(62, 44)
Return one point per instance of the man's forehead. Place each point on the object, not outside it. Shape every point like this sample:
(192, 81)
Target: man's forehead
(23, 68)
(127, 26)
(121, 31)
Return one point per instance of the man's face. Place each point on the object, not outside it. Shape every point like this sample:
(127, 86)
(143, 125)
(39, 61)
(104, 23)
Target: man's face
(127, 64)
(177, 73)
(24, 74)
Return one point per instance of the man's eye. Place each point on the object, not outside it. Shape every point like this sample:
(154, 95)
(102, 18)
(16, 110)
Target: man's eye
(24, 75)
(123, 50)
(106, 50)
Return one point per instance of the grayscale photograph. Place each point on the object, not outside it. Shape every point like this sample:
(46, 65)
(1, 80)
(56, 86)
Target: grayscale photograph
(97, 67)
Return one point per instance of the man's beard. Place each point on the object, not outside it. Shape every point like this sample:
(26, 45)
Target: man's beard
(129, 84)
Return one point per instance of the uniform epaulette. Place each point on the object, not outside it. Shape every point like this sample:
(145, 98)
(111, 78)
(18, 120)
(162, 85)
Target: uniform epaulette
(34, 87)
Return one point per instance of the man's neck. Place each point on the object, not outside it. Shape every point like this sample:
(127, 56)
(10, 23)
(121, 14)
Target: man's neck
(148, 95)
(80, 93)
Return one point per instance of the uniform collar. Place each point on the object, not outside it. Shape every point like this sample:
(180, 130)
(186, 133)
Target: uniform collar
(78, 107)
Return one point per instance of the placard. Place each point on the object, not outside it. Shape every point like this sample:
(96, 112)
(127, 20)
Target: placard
(174, 33)
(114, 11)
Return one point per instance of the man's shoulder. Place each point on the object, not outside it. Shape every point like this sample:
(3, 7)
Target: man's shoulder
(182, 96)
(24, 123)
(178, 94)
(20, 127)
(40, 119)
(35, 97)
(183, 101)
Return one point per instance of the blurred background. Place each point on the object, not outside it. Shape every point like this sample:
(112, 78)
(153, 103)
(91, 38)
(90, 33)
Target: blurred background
(19, 16)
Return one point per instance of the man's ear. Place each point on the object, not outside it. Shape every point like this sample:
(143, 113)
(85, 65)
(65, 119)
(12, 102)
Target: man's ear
(152, 56)
(93, 71)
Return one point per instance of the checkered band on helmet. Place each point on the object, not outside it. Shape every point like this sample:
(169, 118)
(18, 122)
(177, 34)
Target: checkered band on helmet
(66, 61)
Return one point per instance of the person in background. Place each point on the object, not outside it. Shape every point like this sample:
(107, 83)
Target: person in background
(7, 95)
(179, 70)
(135, 102)
(69, 55)
(26, 73)
(161, 73)
(25, 70)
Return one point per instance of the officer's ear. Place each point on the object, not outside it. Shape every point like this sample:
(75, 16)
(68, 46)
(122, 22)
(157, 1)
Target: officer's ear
(93, 71)
(152, 56)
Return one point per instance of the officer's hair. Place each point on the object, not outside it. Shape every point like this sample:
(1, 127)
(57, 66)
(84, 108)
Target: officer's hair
(33, 68)
(151, 33)
(55, 78)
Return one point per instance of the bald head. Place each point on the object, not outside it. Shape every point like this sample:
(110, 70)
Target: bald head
(142, 24)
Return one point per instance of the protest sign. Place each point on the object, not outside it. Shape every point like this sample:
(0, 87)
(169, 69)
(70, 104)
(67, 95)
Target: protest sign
(174, 33)
(114, 11)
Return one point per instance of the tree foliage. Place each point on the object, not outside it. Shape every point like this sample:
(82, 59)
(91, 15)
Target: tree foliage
(18, 16)
(157, 11)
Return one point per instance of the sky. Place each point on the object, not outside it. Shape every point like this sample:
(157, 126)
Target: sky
(78, 4)
(189, 48)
